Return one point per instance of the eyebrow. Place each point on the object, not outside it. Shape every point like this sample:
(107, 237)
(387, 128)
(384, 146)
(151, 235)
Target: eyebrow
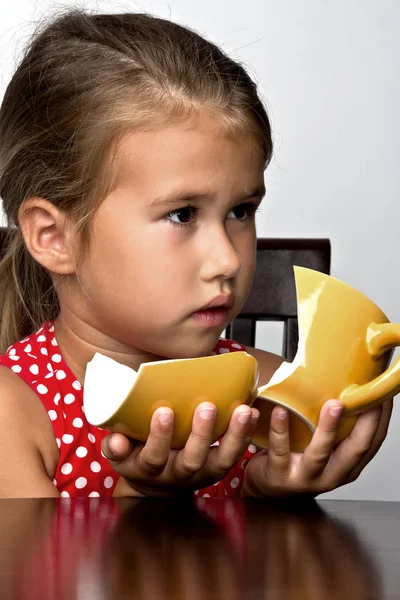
(181, 197)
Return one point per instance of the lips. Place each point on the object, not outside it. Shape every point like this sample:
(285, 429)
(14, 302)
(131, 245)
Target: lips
(223, 301)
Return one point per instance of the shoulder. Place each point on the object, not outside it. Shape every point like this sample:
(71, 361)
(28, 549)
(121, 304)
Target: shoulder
(28, 451)
(267, 362)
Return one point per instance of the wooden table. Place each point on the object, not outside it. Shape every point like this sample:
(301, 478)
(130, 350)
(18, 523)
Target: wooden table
(156, 549)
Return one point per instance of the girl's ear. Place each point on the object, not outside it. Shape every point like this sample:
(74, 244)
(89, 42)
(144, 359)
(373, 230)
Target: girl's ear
(48, 235)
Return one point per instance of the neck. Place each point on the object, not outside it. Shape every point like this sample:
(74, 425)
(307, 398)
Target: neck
(79, 341)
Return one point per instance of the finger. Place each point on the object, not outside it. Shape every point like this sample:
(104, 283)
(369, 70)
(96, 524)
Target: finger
(194, 455)
(317, 454)
(154, 455)
(116, 447)
(278, 441)
(255, 415)
(235, 441)
(352, 452)
(379, 438)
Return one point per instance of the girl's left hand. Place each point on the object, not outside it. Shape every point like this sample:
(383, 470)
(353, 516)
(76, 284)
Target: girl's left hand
(322, 467)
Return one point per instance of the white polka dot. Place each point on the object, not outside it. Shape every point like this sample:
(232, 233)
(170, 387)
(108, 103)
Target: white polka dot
(80, 482)
(58, 442)
(56, 358)
(60, 374)
(108, 482)
(54, 342)
(224, 350)
(52, 414)
(91, 438)
(28, 348)
(83, 409)
(76, 385)
(42, 389)
(81, 452)
(94, 495)
(196, 492)
(103, 455)
(41, 338)
(206, 496)
(244, 463)
(34, 369)
(51, 328)
(57, 398)
(235, 482)
(67, 438)
(237, 346)
(252, 449)
(16, 369)
(64, 495)
(95, 466)
(12, 351)
(77, 422)
(44, 351)
(14, 357)
(66, 469)
(55, 482)
(50, 367)
(69, 398)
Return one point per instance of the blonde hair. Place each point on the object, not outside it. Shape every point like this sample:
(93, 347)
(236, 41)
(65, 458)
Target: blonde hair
(84, 81)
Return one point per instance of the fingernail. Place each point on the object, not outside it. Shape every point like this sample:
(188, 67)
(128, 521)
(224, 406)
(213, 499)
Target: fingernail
(336, 411)
(165, 417)
(207, 413)
(111, 444)
(254, 418)
(282, 414)
(244, 417)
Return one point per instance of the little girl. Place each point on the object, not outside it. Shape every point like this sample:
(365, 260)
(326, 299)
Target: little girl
(132, 158)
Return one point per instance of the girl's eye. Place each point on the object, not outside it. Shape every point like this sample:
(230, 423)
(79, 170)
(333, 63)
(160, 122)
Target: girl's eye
(244, 211)
(186, 216)
(182, 216)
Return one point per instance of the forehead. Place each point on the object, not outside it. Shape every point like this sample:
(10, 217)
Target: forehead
(200, 153)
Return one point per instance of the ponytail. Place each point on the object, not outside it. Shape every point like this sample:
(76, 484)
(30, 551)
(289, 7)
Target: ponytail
(27, 295)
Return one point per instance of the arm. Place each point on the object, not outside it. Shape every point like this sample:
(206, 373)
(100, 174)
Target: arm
(268, 363)
(28, 451)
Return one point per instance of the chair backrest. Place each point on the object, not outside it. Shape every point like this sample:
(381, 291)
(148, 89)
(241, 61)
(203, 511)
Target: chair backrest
(273, 293)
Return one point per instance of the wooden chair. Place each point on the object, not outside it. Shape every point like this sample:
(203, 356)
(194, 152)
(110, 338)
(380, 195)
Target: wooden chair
(273, 294)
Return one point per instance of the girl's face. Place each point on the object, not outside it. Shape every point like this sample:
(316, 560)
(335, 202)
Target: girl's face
(177, 231)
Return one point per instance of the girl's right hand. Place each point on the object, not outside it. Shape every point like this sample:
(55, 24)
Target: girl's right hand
(154, 469)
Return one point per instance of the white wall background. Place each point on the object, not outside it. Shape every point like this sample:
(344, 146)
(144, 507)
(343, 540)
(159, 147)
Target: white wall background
(328, 70)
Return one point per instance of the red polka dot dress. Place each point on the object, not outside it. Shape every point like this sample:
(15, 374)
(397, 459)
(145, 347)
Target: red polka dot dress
(82, 470)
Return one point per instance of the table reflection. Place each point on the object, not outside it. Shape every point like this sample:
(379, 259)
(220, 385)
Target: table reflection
(157, 549)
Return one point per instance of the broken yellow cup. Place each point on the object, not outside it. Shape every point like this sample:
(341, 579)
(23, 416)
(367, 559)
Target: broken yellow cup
(345, 344)
(120, 399)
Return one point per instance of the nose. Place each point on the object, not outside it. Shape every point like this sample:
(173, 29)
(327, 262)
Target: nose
(220, 258)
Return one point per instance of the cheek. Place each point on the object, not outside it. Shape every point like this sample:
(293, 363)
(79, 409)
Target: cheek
(141, 266)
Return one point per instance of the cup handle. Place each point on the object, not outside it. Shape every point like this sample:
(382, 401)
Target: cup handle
(381, 337)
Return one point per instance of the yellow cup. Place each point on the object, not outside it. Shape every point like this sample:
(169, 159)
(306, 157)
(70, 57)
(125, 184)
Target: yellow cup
(120, 399)
(345, 344)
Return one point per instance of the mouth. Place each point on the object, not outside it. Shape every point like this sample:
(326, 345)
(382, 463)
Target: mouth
(215, 313)
(223, 301)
